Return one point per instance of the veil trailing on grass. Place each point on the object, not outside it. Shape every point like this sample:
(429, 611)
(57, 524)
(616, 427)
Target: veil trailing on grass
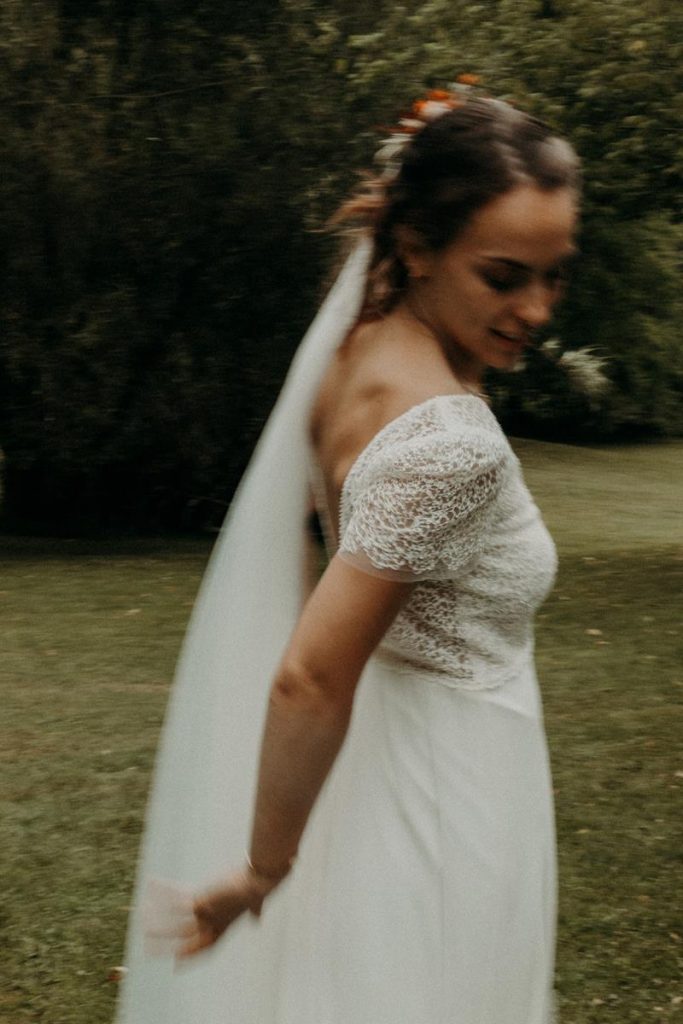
(199, 813)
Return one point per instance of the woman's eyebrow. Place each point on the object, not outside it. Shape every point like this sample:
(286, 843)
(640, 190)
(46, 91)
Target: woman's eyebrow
(514, 264)
(567, 258)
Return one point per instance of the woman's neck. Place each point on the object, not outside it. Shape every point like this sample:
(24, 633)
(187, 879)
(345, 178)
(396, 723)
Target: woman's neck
(468, 370)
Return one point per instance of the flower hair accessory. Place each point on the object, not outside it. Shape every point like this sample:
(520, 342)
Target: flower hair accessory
(430, 107)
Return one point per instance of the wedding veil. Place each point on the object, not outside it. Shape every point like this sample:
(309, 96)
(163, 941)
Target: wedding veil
(199, 812)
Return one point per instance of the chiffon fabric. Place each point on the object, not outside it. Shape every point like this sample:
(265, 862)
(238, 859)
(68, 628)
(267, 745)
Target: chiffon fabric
(424, 891)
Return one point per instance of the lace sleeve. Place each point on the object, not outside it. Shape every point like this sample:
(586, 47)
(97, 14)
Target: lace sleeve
(418, 505)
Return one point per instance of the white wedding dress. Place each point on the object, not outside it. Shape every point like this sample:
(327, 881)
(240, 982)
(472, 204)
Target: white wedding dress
(424, 891)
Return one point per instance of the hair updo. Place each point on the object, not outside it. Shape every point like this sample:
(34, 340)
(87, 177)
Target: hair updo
(451, 168)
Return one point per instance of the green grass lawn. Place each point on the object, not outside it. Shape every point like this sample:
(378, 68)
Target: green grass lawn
(90, 635)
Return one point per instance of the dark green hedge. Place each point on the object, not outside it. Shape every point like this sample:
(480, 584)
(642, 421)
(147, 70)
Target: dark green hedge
(165, 166)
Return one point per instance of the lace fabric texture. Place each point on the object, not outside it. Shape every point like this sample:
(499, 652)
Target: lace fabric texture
(438, 497)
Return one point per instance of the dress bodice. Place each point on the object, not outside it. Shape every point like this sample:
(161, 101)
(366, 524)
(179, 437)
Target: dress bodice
(437, 497)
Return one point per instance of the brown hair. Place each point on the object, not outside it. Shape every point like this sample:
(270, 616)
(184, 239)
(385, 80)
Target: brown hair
(450, 169)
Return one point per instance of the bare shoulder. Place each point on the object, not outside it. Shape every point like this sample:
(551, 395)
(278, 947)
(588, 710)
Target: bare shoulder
(379, 373)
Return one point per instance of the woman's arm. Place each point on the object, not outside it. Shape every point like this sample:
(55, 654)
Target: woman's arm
(308, 715)
(311, 700)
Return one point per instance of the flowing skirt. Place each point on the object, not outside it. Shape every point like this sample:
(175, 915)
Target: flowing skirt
(425, 889)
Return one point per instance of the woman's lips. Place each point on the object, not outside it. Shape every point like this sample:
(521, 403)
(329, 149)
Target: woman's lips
(515, 341)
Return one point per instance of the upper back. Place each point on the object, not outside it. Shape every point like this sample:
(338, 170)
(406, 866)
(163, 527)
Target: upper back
(379, 372)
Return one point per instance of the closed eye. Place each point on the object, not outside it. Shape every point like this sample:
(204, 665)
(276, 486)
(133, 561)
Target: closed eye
(507, 283)
(517, 277)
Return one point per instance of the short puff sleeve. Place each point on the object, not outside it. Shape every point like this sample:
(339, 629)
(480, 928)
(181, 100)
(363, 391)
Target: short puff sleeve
(418, 501)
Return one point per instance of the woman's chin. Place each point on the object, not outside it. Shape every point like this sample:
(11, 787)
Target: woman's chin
(507, 362)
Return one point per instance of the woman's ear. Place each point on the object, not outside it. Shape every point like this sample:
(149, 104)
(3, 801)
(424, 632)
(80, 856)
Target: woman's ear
(413, 253)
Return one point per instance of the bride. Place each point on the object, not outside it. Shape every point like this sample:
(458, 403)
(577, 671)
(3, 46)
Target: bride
(400, 864)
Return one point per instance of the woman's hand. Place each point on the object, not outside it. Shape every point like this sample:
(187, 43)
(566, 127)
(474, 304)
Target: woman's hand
(218, 908)
(176, 922)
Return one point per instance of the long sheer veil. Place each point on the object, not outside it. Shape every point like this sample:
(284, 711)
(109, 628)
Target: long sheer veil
(199, 812)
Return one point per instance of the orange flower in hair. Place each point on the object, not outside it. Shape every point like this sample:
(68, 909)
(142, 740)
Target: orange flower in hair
(430, 107)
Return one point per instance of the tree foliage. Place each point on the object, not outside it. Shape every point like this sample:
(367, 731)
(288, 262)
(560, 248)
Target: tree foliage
(166, 166)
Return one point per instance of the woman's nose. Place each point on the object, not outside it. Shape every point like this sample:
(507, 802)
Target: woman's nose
(535, 305)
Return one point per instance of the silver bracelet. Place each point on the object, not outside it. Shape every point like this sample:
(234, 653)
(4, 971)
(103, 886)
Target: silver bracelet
(266, 877)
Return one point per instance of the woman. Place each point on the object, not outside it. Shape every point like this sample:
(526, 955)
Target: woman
(403, 785)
